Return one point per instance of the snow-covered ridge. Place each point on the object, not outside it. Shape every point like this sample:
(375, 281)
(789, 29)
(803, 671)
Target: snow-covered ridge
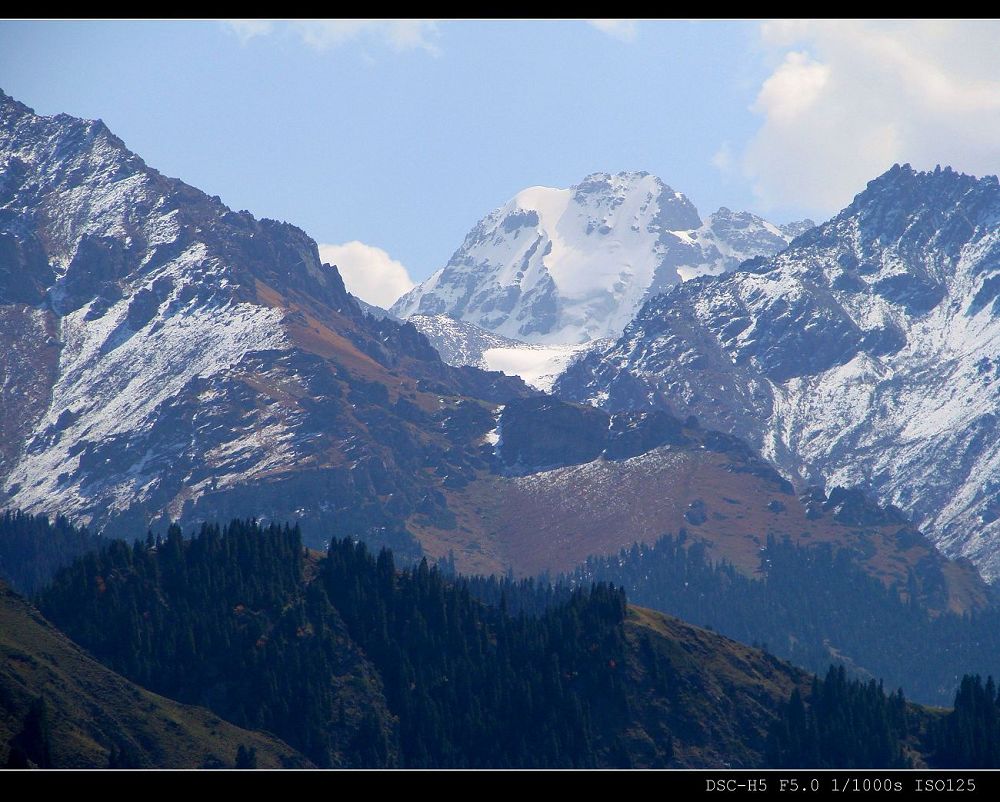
(567, 266)
(163, 357)
(149, 288)
(866, 354)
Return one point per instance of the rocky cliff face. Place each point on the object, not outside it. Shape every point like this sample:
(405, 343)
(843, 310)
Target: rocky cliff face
(164, 356)
(565, 266)
(865, 354)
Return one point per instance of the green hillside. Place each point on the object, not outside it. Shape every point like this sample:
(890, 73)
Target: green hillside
(93, 711)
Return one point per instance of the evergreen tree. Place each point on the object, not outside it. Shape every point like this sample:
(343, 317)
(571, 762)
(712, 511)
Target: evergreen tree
(32, 746)
(228, 620)
(246, 758)
(969, 736)
(33, 548)
(847, 724)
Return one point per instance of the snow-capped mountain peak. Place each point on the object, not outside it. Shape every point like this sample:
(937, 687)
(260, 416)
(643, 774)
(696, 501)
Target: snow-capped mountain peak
(566, 266)
(867, 353)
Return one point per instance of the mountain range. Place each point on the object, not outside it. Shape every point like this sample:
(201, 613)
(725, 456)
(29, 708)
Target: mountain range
(167, 359)
(865, 354)
(599, 386)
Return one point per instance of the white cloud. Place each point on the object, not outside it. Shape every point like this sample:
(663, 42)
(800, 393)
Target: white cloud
(404, 34)
(368, 272)
(846, 99)
(624, 29)
(795, 86)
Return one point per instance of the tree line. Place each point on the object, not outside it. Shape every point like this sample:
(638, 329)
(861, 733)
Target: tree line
(33, 548)
(365, 665)
(357, 661)
(811, 605)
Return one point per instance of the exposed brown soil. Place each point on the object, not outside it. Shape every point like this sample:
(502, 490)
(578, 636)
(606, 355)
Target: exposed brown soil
(553, 520)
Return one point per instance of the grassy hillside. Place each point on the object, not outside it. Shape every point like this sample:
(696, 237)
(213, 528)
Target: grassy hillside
(712, 486)
(359, 663)
(92, 710)
(711, 698)
(715, 701)
(813, 605)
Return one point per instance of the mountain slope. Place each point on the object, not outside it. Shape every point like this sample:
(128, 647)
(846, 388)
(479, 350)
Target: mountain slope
(814, 604)
(569, 482)
(227, 620)
(565, 266)
(714, 698)
(680, 657)
(93, 711)
(573, 678)
(461, 343)
(165, 357)
(866, 354)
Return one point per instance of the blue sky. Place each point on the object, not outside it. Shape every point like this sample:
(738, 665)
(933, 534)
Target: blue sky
(401, 136)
